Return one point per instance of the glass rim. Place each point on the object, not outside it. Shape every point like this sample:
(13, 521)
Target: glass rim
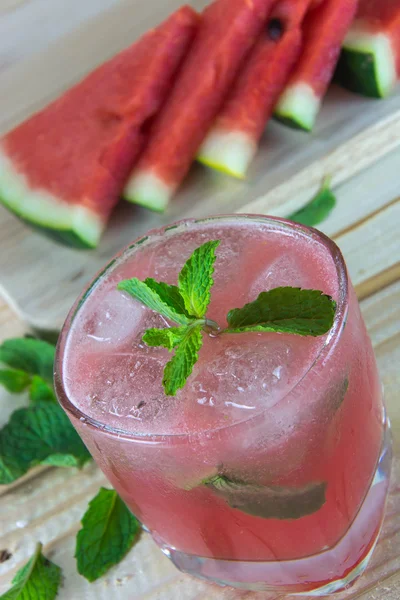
(154, 438)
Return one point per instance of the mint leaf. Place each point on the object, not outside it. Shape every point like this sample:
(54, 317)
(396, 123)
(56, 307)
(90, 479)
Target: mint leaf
(14, 381)
(32, 356)
(269, 502)
(30, 363)
(169, 294)
(195, 279)
(64, 460)
(39, 579)
(318, 209)
(40, 391)
(108, 533)
(185, 305)
(149, 296)
(38, 434)
(168, 338)
(285, 310)
(178, 369)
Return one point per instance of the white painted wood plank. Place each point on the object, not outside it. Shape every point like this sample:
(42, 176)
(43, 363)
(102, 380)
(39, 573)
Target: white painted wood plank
(29, 26)
(362, 195)
(342, 161)
(372, 246)
(382, 315)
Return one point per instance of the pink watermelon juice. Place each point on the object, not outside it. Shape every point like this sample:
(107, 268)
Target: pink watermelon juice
(296, 423)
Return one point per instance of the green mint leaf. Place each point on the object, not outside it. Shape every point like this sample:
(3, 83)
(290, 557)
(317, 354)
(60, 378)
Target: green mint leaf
(14, 380)
(318, 209)
(168, 338)
(41, 391)
(195, 279)
(31, 366)
(38, 434)
(39, 579)
(285, 310)
(32, 356)
(178, 369)
(150, 297)
(108, 533)
(64, 460)
(169, 294)
(269, 502)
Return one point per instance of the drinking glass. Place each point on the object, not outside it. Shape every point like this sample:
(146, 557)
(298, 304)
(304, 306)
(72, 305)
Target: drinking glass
(311, 468)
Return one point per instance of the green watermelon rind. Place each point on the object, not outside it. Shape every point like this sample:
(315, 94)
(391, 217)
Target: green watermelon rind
(71, 225)
(229, 152)
(367, 64)
(65, 237)
(146, 189)
(298, 107)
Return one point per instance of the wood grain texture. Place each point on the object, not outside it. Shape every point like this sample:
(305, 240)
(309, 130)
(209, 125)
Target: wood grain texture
(371, 248)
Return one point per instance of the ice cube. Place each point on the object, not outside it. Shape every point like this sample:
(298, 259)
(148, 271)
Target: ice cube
(237, 376)
(113, 320)
(283, 271)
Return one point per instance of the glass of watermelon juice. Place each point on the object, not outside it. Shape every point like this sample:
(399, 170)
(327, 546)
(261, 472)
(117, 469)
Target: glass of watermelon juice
(269, 470)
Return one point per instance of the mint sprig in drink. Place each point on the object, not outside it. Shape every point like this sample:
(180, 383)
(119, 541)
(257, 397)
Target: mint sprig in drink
(220, 373)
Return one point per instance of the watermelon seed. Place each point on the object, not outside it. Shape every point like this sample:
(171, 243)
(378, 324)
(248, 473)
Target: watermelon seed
(275, 29)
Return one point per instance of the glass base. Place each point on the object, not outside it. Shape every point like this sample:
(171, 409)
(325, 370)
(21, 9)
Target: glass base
(325, 573)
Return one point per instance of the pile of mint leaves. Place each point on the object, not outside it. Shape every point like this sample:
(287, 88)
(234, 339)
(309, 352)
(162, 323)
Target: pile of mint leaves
(41, 434)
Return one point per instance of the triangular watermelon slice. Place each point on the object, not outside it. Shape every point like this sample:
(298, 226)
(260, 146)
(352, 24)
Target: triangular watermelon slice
(63, 169)
(232, 142)
(370, 60)
(228, 30)
(325, 27)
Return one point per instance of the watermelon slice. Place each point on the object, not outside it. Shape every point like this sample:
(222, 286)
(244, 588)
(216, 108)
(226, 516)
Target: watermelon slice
(64, 169)
(370, 60)
(232, 143)
(227, 32)
(325, 27)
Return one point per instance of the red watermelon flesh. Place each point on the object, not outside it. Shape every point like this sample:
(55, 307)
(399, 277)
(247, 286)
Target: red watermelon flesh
(232, 142)
(229, 28)
(381, 17)
(65, 167)
(325, 27)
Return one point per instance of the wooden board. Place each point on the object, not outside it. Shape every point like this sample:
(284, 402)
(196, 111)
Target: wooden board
(41, 279)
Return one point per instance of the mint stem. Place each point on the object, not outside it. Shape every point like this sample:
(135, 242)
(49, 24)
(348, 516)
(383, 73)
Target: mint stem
(211, 327)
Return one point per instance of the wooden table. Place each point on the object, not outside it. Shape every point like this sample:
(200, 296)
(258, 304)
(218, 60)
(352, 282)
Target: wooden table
(48, 503)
